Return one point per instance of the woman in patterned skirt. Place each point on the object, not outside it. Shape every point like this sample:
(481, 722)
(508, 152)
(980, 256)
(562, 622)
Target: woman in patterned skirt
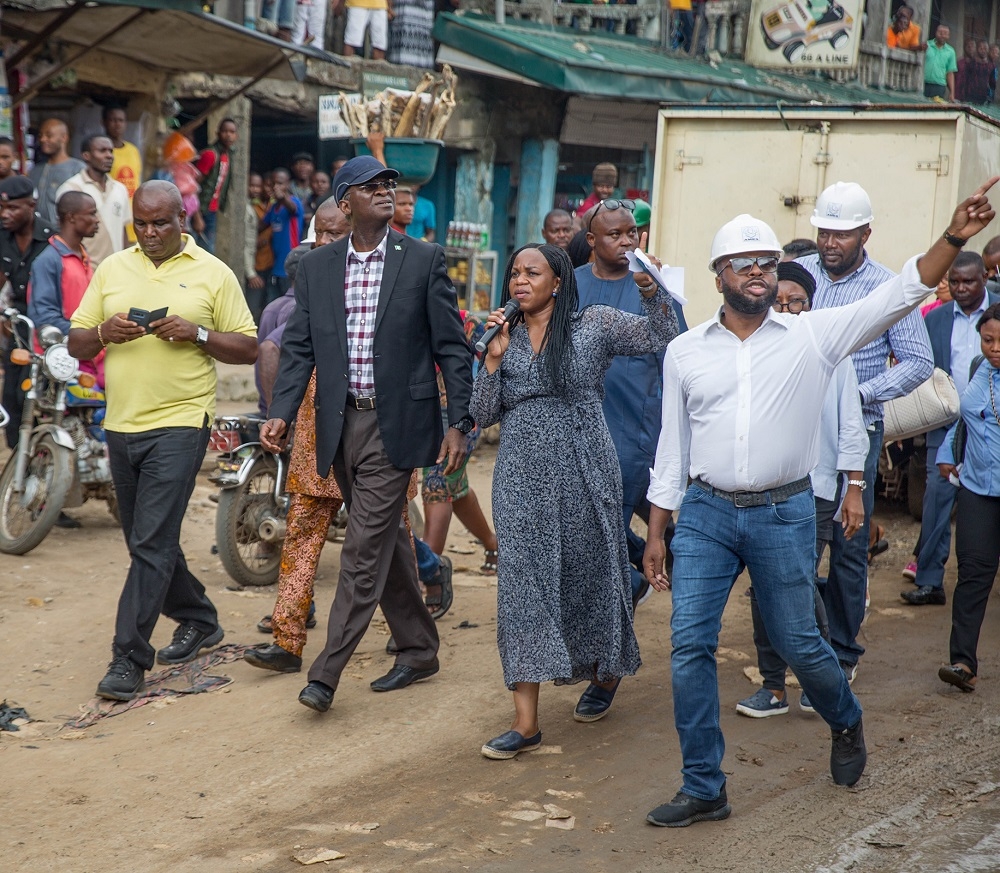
(564, 604)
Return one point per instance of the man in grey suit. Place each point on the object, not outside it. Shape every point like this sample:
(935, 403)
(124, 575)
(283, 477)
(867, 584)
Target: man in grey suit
(375, 312)
(955, 343)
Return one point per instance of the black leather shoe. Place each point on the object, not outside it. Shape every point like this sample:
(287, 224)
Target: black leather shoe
(685, 810)
(508, 745)
(273, 658)
(188, 641)
(848, 755)
(594, 703)
(924, 595)
(67, 522)
(125, 680)
(316, 695)
(400, 676)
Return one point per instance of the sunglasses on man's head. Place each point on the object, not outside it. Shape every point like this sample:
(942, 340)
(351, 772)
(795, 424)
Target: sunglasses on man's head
(611, 206)
(372, 187)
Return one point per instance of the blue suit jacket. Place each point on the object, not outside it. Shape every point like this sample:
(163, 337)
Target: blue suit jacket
(939, 323)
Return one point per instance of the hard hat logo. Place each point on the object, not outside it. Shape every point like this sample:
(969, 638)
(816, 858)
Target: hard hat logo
(751, 234)
(833, 210)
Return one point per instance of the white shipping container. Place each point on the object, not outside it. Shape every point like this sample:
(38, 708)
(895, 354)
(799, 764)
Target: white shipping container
(714, 163)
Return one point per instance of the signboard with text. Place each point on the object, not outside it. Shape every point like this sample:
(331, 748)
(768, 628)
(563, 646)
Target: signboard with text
(331, 122)
(804, 34)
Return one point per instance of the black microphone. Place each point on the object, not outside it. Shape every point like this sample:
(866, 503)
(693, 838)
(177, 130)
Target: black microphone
(509, 311)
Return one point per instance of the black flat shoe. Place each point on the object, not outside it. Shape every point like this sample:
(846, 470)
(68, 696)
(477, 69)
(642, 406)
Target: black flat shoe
(67, 522)
(685, 810)
(187, 643)
(400, 676)
(959, 677)
(924, 595)
(595, 702)
(510, 744)
(273, 658)
(316, 696)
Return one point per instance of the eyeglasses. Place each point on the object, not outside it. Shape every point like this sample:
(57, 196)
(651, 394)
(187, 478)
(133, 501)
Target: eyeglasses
(792, 306)
(372, 187)
(743, 266)
(611, 206)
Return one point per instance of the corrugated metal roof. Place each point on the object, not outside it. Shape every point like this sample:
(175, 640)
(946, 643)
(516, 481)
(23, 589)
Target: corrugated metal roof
(607, 65)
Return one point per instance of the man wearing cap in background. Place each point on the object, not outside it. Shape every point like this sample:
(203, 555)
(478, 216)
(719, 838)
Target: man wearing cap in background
(743, 396)
(374, 313)
(844, 274)
(25, 235)
(604, 179)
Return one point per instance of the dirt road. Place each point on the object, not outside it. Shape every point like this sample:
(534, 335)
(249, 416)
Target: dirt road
(244, 778)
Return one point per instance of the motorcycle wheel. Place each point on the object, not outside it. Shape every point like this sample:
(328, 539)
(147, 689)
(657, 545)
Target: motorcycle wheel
(26, 518)
(248, 559)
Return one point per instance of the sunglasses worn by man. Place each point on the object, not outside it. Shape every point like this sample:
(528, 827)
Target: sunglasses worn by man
(611, 206)
(743, 266)
(372, 187)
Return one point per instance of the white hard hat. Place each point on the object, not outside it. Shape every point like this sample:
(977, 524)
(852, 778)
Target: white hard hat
(741, 235)
(310, 236)
(842, 206)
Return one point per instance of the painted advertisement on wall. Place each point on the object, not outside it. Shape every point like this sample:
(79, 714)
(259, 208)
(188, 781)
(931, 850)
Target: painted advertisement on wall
(804, 34)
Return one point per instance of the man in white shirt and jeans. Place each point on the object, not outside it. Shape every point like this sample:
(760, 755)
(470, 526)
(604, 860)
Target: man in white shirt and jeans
(743, 394)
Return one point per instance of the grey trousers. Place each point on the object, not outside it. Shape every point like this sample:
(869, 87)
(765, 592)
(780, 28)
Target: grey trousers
(377, 565)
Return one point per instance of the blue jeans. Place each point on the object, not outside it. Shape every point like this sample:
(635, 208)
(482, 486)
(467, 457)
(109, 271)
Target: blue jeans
(934, 544)
(844, 594)
(713, 543)
(281, 12)
(154, 474)
(207, 238)
(428, 563)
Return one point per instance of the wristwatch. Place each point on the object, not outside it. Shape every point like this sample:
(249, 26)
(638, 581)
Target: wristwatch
(860, 483)
(202, 336)
(464, 425)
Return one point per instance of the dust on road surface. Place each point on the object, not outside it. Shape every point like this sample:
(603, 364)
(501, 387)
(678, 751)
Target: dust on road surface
(245, 778)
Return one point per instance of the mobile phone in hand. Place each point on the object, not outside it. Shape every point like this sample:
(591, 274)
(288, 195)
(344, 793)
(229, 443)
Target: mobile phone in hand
(143, 317)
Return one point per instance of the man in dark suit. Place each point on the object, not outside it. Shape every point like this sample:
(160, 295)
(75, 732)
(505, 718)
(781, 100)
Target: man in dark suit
(955, 343)
(374, 313)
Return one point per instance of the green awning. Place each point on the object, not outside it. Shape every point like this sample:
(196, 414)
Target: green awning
(622, 67)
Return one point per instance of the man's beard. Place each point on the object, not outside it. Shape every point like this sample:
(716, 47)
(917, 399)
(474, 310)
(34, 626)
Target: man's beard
(744, 303)
(846, 264)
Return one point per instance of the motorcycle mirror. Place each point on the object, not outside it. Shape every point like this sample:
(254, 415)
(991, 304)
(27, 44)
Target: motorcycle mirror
(49, 336)
(21, 357)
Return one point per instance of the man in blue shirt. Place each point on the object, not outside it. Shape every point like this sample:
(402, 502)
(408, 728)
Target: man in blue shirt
(633, 386)
(286, 218)
(955, 342)
(844, 274)
(424, 217)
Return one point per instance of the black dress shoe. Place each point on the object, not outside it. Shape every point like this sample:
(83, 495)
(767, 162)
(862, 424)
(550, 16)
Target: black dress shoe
(400, 676)
(924, 595)
(685, 810)
(594, 703)
(67, 522)
(125, 680)
(273, 658)
(507, 745)
(848, 755)
(187, 642)
(316, 695)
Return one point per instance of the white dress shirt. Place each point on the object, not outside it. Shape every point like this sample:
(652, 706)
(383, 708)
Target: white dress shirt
(745, 415)
(843, 437)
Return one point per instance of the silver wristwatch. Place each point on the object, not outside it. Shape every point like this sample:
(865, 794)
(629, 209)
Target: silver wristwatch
(859, 482)
(202, 336)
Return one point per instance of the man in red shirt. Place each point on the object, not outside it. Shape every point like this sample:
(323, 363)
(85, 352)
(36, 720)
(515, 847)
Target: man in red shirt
(213, 169)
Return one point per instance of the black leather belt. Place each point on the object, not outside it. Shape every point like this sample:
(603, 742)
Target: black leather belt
(365, 404)
(745, 499)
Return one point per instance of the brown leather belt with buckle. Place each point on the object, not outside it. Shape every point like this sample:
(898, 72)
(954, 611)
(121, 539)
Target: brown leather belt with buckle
(746, 499)
(365, 404)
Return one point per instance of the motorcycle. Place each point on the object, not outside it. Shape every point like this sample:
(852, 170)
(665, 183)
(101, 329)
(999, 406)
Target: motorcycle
(61, 459)
(250, 521)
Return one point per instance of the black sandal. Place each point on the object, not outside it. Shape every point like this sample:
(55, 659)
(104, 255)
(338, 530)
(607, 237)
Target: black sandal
(439, 604)
(959, 677)
(489, 567)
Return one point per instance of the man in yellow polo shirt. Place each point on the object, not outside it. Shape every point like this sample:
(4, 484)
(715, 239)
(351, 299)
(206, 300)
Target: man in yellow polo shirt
(161, 398)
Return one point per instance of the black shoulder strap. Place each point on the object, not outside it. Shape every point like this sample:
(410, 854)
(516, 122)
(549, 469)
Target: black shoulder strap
(976, 361)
